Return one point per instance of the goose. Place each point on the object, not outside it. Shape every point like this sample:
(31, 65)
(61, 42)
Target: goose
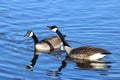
(46, 45)
(84, 52)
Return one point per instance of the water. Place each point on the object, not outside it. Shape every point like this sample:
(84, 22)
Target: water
(85, 22)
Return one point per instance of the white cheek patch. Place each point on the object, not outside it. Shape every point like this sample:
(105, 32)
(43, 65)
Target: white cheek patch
(54, 30)
(31, 34)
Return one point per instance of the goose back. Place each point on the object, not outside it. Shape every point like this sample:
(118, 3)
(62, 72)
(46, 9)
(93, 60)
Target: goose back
(48, 44)
(86, 52)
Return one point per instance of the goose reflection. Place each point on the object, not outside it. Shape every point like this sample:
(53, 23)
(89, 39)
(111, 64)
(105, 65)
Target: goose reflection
(98, 65)
(86, 64)
(34, 59)
(36, 55)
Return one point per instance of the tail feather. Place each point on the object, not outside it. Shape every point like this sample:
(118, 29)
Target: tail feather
(107, 53)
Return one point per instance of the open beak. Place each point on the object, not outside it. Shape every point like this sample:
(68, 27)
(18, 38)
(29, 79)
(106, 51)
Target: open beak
(49, 27)
(26, 35)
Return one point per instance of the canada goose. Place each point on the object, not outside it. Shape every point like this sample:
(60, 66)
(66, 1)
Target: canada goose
(85, 52)
(47, 44)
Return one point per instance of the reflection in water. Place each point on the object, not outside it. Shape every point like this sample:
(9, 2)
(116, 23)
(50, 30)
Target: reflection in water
(53, 73)
(94, 64)
(98, 65)
(36, 55)
(34, 59)
(86, 64)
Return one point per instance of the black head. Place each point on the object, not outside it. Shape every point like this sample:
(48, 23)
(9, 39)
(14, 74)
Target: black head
(29, 33)
(53, 28)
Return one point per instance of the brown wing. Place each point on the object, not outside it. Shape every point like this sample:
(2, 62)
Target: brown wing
(86, 51)
(54, 42)
(89, 50)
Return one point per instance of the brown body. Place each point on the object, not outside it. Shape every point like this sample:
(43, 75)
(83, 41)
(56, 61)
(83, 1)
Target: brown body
(48, 44)
(85, 52)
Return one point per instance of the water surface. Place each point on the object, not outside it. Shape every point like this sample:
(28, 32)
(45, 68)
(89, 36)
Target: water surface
(85, 22)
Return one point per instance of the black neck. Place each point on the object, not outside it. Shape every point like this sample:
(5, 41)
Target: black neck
(35, 38)
(64, 64)
(62, 38)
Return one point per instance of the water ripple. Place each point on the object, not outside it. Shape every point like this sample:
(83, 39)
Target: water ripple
(95, 24)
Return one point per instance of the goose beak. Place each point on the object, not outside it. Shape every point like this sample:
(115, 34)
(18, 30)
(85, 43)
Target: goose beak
(26, 35)
(49, 27)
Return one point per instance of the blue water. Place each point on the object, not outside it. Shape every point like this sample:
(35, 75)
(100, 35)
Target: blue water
(85, 22)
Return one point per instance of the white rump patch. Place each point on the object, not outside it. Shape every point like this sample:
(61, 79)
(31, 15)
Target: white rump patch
(31, 34)
(54, 30)
(96, 56)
